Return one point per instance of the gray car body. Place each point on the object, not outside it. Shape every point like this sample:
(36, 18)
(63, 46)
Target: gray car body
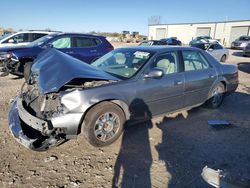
(240, 44)
(182, 90)
(246, 50)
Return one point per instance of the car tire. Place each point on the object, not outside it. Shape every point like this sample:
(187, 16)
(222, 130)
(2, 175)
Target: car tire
(216, 96)
(27, 70)
(223, 58)
(103, 124)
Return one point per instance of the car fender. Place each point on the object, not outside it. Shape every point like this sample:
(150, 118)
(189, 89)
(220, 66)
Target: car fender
(220, 79)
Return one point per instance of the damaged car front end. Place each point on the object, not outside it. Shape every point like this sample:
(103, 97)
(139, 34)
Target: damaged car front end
(48, 110)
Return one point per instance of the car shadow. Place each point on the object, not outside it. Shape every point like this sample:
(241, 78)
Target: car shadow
(132, 167)
(17, 78)
(244, 67)
(188, 145)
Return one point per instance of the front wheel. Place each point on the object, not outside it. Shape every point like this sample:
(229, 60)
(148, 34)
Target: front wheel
(103, 124)
(216, 96)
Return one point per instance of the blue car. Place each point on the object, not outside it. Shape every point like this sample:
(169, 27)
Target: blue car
(84, 47)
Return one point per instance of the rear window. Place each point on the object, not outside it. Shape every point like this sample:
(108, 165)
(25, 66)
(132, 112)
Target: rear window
(194, 60)
(81, 42)
(36, 36)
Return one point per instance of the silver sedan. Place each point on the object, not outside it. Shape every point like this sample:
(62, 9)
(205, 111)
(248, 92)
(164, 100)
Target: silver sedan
(64, 96)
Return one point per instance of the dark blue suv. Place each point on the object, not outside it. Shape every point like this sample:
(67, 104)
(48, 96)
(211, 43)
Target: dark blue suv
(84, 47)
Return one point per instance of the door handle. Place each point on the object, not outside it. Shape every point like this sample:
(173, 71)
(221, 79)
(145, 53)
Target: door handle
(178, 82)
(70, 52)
(211, 76)
(92, 51)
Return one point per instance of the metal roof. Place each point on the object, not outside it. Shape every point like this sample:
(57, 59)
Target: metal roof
(185, 23)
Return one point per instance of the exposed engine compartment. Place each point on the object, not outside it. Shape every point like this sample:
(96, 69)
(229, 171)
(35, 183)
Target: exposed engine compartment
(46, 106)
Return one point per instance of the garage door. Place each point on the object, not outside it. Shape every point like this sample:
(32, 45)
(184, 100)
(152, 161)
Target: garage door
(236, 32)
(203, 31)
(160, 33)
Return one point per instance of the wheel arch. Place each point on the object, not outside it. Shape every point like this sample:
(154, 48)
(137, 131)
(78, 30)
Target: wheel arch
(120, 103)
(26, 59)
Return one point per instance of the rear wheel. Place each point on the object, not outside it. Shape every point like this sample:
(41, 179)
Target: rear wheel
(216, 96)
(103, 124)
(223, 58)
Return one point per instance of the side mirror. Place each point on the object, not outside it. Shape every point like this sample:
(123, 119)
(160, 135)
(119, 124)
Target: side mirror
(11, 41)
(48, 46)
(154, 73)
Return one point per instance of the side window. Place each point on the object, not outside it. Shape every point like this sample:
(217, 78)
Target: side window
(81, 42)
(212, 47)
(64, 42)
(194, 60)
(218, 47)
(36, 36)
(168, 62)
(19, 38)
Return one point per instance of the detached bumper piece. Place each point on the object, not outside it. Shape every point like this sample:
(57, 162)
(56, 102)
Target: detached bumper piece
(28, 130)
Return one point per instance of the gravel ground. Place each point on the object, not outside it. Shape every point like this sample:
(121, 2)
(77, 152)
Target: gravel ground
(164, 152)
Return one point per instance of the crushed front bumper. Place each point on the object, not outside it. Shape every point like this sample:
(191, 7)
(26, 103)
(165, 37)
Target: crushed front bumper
(27, 129)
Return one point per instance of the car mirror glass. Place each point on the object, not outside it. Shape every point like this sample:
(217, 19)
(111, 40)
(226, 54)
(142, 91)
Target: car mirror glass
(154, 73)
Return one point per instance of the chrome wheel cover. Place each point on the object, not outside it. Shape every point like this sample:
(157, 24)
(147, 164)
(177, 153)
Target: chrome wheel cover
(107, 126)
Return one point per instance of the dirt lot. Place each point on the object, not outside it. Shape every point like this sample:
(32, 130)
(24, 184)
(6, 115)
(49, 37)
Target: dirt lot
(167, 152)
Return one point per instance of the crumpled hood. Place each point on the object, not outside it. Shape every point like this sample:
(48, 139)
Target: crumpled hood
(53, 69)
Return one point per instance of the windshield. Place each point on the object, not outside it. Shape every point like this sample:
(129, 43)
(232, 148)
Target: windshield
(4, 36)
(246, 38)
(203, 37)
(40, 41)
(123, 63)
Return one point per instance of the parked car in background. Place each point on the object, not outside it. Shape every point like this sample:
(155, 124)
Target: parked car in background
(215, 49)
(240, 43)
(173, 41)
(84, 47)
(22, 38)
(246, 50)
(152, 43)
(200, 39)
(126, 85)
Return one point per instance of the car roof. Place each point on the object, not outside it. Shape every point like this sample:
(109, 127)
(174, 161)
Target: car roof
(79, 34)
(158, 48)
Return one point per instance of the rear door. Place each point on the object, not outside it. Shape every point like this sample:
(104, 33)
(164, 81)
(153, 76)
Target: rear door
(86, 49)
(199, 77)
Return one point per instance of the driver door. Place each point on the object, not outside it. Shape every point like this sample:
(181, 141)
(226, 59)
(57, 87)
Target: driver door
(164, 94)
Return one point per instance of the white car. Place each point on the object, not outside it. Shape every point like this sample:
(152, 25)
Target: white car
(215, 49)
(22, 38)
(218, 51)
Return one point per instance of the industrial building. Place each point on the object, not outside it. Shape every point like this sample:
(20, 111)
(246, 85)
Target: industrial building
(225, 31)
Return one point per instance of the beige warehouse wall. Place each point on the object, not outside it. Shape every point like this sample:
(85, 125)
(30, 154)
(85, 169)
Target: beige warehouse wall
(185, 32)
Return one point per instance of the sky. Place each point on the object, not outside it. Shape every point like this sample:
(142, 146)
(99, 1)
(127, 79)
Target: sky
(115, 15)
